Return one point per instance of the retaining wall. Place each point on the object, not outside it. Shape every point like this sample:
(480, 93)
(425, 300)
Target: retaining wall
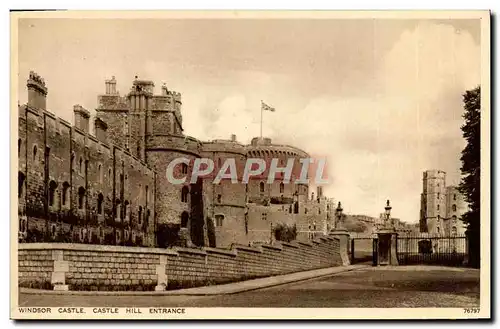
(61, 266)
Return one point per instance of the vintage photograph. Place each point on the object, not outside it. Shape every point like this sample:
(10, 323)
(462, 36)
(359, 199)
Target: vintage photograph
(287, 165)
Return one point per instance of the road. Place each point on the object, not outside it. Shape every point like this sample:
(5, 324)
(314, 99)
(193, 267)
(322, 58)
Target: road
(404, 286)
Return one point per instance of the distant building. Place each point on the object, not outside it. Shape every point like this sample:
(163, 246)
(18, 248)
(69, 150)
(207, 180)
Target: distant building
(441, 206)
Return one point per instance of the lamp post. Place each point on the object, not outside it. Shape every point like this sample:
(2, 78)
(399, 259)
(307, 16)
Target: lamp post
(338, 215)
(388, 214)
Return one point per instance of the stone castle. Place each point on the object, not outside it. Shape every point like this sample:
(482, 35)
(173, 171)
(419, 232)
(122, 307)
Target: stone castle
(441, 206)
(110, 187)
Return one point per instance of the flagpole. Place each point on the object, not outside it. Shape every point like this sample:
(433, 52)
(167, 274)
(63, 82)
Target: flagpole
(261, 110)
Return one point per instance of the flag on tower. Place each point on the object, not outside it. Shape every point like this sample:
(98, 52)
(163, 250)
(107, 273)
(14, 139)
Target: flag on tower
(266, 107)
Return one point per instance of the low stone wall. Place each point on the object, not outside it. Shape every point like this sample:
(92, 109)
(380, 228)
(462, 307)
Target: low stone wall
(61, 266)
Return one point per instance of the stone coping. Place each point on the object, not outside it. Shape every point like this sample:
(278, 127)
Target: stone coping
(247, 248)
(290, 244)
(210, 250)
(190, 251)
(95, 248)
(305, 243)
(271, 246)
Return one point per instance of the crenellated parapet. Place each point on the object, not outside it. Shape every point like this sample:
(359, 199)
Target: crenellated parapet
(36, 81)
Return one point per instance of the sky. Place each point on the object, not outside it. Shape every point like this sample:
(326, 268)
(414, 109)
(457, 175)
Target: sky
(380, 99)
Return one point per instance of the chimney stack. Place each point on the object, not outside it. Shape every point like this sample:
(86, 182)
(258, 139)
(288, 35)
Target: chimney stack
(233, 138)
(100, 129)
(111, 86)
(37, 91)
(81, 118)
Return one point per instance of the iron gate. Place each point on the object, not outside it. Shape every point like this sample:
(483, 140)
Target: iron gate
(432, 250)
(361, 250)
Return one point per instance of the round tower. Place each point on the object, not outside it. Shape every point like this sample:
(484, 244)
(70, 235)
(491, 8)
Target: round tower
(259, 190)
(224, 200)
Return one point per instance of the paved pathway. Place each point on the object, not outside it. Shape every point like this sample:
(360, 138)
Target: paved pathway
(362, 286)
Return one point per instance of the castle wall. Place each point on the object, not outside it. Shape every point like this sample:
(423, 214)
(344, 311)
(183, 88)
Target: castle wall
(65, 178)
(91, 267)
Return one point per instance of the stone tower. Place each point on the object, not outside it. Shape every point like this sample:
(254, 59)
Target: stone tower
(433, 202)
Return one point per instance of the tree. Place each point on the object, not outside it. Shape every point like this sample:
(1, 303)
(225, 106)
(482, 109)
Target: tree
(471, 171)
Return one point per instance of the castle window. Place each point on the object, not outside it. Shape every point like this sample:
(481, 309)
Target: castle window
(146, 220)
(118, 210)
(282, 187)
(127, 211)
(184, 219)
(147, 194)
(20, 181)
(81, 197)
(219, 198)
(100, 199)
(219, 220)
(454, 218)
(35, 150)
(139, 216)
(454, 197)
(305, 210)
(438, 195)
(262, 187)
(19, 141)
(184, 168)
(264, 216)
(437, 207)
(454, 207)
(52, 193)
(100, 173)
(65, 194)
(184, 194)
(438, 229)
(80, 167)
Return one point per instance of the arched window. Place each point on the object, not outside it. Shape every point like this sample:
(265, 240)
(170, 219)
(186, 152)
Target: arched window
(454, 218)
(219, 198)
(454, 197)
(437, 207)
(65, 194)
(52, 193)
(438, 195)
(19, 142)
(262, 187)
(219, 220)
(282, 187)
(35, 150)
(454, 207)
(20, 181)
(146, 220)
(264, 216)
(184, 194)
(147, 194)
(100, 199)
(438, 230)
(81, 197)
(139, 216)
(184, 219)
(80, 166)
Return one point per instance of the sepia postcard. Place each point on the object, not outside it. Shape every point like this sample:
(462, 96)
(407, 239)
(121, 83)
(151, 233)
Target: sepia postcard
(250, 165)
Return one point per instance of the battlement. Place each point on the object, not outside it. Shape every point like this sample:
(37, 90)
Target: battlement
(37, 82)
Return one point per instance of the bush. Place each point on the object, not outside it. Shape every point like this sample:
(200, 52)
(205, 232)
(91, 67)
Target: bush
(285, 233)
